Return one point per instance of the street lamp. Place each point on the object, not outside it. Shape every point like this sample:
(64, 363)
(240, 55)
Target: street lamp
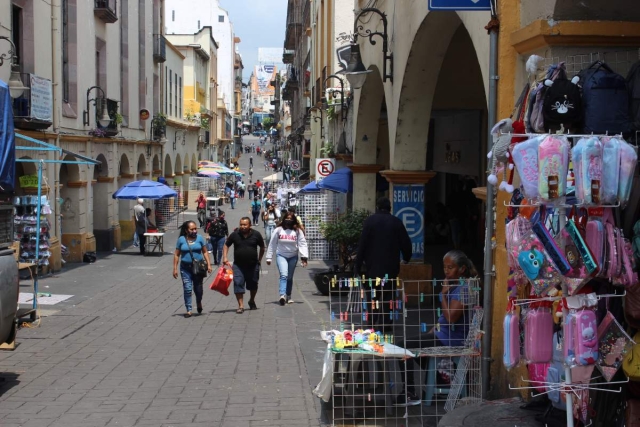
(342, 109)
(356, 72)
(16, 87)
(315, 119)
(104, 119)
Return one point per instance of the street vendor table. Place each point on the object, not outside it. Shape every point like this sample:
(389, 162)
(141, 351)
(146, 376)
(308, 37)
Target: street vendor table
(155, 241)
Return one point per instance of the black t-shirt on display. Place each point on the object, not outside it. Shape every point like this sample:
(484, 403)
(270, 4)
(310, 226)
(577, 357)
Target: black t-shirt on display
(245, 249)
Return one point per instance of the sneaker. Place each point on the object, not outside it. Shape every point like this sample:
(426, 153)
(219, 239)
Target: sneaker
(283, 299)
(135, 245)
(408, 399)
(289, 300)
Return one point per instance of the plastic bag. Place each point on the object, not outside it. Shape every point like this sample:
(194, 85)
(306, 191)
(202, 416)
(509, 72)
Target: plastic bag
(323, 389)
(614, 344)
(221, 282)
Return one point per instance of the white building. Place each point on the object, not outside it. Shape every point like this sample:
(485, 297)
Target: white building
(188, 18)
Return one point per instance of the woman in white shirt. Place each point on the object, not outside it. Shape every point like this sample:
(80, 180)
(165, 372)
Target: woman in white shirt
(287, 241)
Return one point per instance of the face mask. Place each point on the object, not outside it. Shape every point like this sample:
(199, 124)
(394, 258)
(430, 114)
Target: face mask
(288, 223)
(192, 233)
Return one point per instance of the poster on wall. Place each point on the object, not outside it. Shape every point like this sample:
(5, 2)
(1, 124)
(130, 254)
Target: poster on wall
(41, 99)
(408, 205)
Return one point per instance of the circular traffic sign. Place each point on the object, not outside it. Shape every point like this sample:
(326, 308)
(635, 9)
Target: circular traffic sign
(295, 165)
(325, 168)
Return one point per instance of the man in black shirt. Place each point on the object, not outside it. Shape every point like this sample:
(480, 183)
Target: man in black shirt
(246, 261)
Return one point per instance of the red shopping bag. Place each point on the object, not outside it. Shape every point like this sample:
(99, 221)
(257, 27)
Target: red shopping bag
(222, 281)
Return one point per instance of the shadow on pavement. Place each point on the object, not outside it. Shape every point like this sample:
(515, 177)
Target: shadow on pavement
(8, 380)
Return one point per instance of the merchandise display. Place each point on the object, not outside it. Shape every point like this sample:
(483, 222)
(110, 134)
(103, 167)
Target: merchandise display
(25, 228)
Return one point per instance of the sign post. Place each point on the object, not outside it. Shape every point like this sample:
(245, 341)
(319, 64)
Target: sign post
(295, 165)
(460, 5)
(408, 205)
(324, 168)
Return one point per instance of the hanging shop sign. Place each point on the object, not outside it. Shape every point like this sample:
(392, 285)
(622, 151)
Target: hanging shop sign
(408, 205)
(28, 181)
(41, 98)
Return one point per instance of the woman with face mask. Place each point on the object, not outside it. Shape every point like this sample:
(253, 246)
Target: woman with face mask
(189, 247)
(287, 241)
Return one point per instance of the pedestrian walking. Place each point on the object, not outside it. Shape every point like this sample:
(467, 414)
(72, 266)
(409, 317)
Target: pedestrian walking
(141, 224)
(251, 161)
(201, 203)
(218, 230)
(384, 238)
(255, 209)
(246, 262)
(190, 248)
(287, 241)
(270, 218)
(266, 165)
(232, 197)
(251, 188)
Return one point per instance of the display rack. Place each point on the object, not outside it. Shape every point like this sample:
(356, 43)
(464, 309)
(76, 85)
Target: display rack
(43, 146)
(401, 383)
(570, 388)
(25, 222)
(316, 209)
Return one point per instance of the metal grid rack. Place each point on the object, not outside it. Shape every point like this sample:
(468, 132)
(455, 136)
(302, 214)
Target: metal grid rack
(167, 213)
(619, 61)
(315, 209)
(384, 389)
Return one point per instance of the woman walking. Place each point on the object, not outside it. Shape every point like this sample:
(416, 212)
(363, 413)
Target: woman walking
(286, 243)
(270, 218)
(256, 207)
(189, 247)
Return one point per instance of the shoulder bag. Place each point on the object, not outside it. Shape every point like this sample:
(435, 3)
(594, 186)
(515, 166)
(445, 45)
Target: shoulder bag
(198, 268)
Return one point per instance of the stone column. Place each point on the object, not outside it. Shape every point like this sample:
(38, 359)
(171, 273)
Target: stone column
(364, 185)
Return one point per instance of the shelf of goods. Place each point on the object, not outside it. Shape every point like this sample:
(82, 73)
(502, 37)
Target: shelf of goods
(25, 229)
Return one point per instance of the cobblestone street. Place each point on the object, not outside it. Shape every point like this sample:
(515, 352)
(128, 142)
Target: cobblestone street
(120, 352)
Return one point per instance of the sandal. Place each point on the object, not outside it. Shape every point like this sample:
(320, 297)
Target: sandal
(240, 311)
(252, 305)
(187, 314)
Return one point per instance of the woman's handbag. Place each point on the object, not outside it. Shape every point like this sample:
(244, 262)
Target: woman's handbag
(198, 268)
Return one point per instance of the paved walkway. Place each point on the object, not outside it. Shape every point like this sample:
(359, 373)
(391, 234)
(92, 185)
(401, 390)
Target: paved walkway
(120, 352)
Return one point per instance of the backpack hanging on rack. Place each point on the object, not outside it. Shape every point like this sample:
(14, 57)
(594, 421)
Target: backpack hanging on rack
(605, 100)
(562, 104)
(633, 84)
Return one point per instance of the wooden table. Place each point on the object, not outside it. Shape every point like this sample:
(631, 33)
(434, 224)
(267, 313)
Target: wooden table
(155, 241)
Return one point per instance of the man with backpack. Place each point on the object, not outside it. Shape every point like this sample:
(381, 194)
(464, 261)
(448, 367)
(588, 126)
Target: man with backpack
(256, 207)
(218, 230)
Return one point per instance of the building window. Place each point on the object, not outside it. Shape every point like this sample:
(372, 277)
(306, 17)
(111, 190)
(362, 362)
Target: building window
(180, 99)
(124, 61)
(170, 93)
(16, 30)
(173, 15)
(220, 18)
(198, 24)
(175, 93)
(166, 88)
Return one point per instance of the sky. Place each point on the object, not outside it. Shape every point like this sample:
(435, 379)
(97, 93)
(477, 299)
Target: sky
(258, 23)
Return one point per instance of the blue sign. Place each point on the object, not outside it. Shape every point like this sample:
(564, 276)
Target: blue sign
(459, 5)
(408, 205)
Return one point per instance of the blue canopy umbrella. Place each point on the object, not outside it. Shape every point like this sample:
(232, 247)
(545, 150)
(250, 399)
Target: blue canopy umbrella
(340, 181)
(311, 187)
(144, 189)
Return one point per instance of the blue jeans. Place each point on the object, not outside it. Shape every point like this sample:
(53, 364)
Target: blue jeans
(268, 229)
(217, 244)
(190, 284)
(286, 266)
(233, 202)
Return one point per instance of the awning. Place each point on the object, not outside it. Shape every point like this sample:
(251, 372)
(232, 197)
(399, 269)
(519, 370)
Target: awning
(45, 146)
(340, 181)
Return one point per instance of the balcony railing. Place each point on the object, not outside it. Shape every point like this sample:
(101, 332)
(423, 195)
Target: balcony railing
(33, 110)
(288, 55)
(106, 10)
(159, 48)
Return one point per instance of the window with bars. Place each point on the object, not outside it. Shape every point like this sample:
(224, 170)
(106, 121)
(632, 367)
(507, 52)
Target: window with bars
(170, 111)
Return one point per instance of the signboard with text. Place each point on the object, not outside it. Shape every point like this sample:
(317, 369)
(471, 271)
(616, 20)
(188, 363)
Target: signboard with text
(408, 205)
(324, 168)
(41, 99)
(459, 4)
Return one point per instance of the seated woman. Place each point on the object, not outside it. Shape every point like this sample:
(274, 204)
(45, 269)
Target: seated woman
(452, 326)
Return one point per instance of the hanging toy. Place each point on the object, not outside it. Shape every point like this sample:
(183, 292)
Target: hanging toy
(499, 154)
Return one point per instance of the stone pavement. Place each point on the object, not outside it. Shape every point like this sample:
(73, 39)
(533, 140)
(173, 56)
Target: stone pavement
(120, 352)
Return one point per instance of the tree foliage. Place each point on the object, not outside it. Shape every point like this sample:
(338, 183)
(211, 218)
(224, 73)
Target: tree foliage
(345, 231)
(267, 123)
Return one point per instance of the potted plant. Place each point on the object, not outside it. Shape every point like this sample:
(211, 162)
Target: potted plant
(345, 233)
(159, 126)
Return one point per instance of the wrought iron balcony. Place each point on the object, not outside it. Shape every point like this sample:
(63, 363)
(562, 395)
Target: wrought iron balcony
(159, 48)
(288, 55)
(106, 10)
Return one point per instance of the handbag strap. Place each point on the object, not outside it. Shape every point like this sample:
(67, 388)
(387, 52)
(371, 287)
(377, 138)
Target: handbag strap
(189, 247)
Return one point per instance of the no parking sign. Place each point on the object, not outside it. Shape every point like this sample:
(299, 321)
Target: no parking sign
(324, 168)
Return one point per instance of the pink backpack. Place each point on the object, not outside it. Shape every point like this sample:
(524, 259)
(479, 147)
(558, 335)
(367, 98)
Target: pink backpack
(553, 165)
(538, 335)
